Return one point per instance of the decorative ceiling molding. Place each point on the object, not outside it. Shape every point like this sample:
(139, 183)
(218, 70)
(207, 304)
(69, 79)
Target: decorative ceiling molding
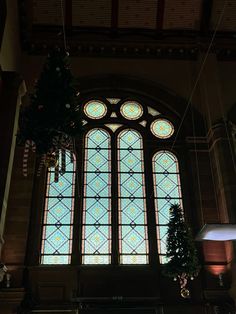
(122, 42)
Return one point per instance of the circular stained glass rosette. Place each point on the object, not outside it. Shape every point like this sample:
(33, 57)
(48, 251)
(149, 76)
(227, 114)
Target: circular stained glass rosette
(95, 109)
(162, 128)
(131, 110)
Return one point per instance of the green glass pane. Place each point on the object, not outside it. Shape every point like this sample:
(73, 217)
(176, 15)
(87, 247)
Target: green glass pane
(95, 109)
(162, 128)
(131, 110)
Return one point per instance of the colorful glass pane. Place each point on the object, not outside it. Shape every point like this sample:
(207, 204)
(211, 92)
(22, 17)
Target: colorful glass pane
(167, 191)
(95, 109)
(58, 215)
(113, 101)
(96, 238)
(132, 200)
(131, 110)
(162, 128)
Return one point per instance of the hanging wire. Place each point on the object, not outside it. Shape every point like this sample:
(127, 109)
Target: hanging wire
(195, 153)
(200, 72)
(63, 24)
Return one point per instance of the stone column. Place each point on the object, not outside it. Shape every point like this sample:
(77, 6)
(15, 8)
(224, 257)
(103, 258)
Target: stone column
(13, 88)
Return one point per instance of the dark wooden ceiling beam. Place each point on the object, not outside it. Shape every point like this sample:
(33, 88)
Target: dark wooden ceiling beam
(68, 14)
(206, 16)
(160, 14)
(114, 16)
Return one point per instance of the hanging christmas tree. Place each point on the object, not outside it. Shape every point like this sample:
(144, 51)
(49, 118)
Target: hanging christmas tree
(52, 119)
(181, 252)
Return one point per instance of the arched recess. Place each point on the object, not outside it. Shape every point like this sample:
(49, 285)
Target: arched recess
(158, 96)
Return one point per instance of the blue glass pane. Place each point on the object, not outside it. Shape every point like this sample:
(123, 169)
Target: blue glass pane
(97, 211)
(55, 259)
(131, 185)
(58, 215)
(134, 259)
(97, 139)
(97, 193)
(130, 140)
(133, 239)
(132, 202)
(168, 185)
(130, 160)
(96, 259)
(97, 160)
(133, 211)
(63, 187)
(97, 184)
(96, 241)
(166, 162)
(167, 191)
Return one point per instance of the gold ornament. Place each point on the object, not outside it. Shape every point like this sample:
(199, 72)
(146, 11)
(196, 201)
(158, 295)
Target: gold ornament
(51, 160)
(184, 293)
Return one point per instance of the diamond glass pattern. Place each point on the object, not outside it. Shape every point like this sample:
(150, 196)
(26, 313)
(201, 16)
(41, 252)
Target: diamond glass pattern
(131, 110)
(162, 128)
(167, 191)
(58, 215)
(95, 109)
(132, 199)
(96, 238)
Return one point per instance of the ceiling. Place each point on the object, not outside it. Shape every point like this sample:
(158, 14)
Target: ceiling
(120, 24)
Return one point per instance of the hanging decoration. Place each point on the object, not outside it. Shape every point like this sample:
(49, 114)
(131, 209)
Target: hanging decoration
(52, 119)
(181, 252)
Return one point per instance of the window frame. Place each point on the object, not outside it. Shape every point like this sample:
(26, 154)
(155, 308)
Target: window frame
(151, 145)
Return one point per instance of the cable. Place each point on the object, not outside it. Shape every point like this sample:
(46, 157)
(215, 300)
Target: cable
(200, 72)
(63, 25)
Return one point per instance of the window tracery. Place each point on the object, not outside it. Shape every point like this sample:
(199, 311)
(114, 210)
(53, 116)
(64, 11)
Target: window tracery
(115, 201)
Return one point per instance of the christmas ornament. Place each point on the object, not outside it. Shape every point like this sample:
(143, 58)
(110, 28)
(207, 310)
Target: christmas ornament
(181, 252)
(51, 160)
(185, 293)
(67, 106)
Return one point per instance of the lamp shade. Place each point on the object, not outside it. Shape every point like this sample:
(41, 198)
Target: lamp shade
(217, 232)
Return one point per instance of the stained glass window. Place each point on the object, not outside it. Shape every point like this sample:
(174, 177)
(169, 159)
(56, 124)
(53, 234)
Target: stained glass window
(162, 128)
(132, 202)
(58, 215)
(96, 237)
(167, 191)
(95, 109)
(131, 110)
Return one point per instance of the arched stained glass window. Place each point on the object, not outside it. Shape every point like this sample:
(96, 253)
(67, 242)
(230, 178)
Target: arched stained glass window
(132, 200)
(167, 191)
(96, 237)
(56, 247)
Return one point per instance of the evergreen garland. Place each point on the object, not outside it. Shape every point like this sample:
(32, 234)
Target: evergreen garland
(53, 116)
(181, 252)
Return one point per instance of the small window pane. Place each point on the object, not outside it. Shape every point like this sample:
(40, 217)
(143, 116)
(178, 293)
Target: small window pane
(162, 128)
(95, 109)
(131, 110)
